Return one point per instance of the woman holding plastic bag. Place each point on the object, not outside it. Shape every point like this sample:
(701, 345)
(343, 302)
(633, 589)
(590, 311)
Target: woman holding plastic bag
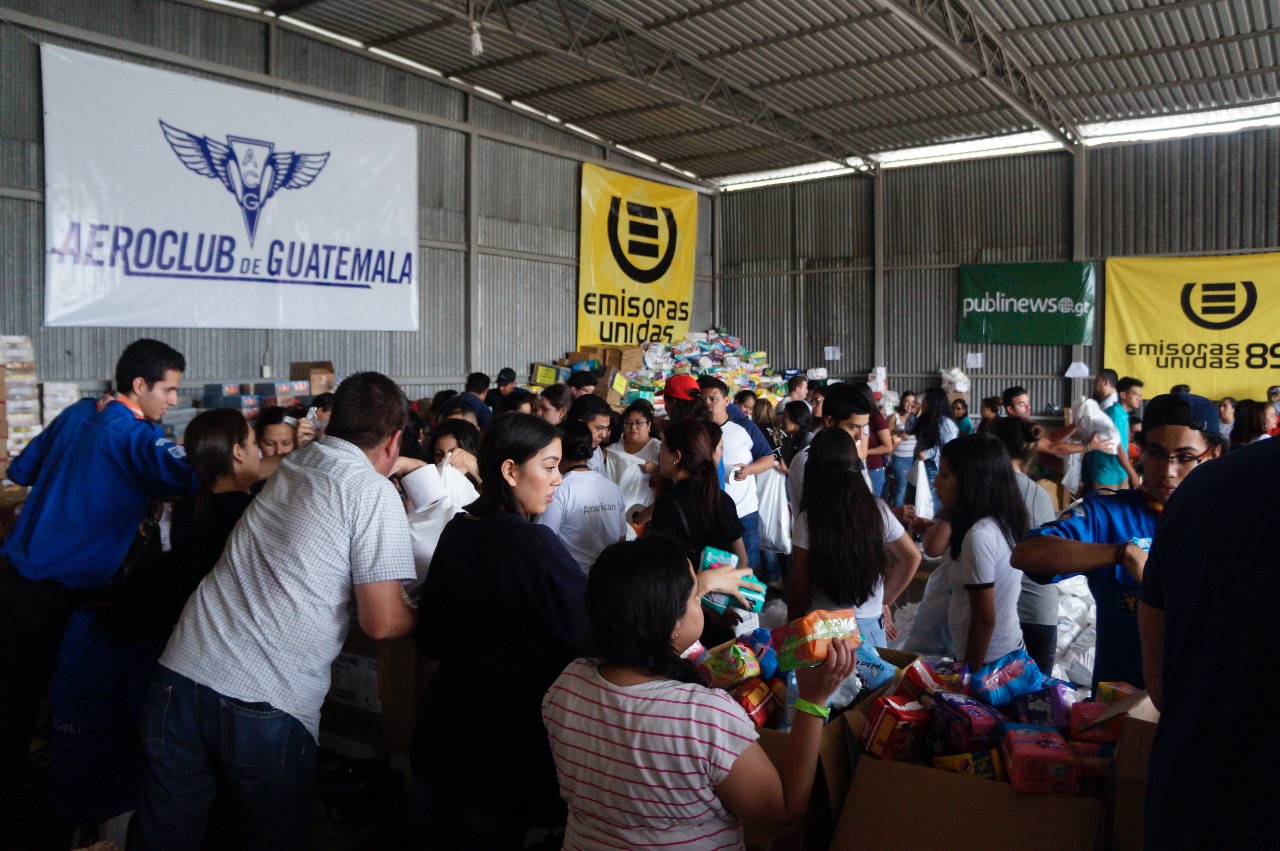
(848, 550)
(645, 754)
(632, 463)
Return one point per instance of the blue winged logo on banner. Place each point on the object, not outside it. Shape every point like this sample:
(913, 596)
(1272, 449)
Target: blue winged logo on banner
(251, 169)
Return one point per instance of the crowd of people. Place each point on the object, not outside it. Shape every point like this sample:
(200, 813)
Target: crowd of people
(543, 549)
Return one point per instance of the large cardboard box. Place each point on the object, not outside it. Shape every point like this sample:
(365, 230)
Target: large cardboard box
(900, 805)
(319, 372)
(612, 386)
(815, 829)
(1127, 794)
(374, 691)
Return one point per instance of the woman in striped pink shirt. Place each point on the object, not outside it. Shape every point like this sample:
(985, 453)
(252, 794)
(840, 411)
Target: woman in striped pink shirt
(646, 756)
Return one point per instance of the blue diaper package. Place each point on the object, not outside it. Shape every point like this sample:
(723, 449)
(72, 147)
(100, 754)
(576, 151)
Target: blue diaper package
(758, 641)
(1012, 675)
(872, 670)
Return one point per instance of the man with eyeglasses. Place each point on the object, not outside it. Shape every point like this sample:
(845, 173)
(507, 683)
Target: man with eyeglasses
(1106, 535)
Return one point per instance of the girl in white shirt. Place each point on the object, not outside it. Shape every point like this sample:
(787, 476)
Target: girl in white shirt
(587, 511)
(847, 548)
(987, 515)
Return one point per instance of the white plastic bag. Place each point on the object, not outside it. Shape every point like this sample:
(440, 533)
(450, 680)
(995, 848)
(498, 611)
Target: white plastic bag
(625, 472)
(1090, 420)
(924, 496)
(775, 513)
(427, 522)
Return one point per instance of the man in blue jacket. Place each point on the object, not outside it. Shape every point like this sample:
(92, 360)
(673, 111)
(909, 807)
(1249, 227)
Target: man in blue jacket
(93, 474)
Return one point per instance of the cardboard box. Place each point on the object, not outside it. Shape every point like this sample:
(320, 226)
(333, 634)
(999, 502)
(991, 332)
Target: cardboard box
(818, 823)
(546, 374)
(954, 395)
(903, 805)
(319, 372)
(373, 693)
(1127, 792)
(612, 386)
(268, 388)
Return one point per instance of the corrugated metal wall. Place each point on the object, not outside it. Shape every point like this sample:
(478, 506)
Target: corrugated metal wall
(526, 197)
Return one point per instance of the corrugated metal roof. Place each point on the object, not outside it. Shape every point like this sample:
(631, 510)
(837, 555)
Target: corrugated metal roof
(732, 86)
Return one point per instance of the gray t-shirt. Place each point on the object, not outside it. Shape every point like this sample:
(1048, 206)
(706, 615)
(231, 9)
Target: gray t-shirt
(1038, 604)
(267, 622)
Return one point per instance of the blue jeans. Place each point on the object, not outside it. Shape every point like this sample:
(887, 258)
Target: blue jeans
(872, 630)
(751, 541)
(198, 740)
(901, 478)
(877, 481)
(931, 473)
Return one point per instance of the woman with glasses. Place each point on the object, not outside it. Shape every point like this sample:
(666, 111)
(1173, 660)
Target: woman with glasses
(632, 462)
(1106, 535)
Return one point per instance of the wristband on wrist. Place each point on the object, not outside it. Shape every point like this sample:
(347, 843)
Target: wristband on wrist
(823, 712)
(1120, 552)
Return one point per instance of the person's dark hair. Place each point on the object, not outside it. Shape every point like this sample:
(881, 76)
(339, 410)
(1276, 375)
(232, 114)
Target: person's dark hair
(209, 439)
(559, 395)
(867, 393)
(799, 415)
(637, 592)
(990, 403)
(441, 399)
(411, 437)
(588, 407)
(269, 416)
(696, 441)
(986, 487)
(324, 402)
(902, 398)
(765, 416)
(575, 441)
(514, 437)
(511, 402)
(368, 408)
(465, 433)
(148, 360)
(615, 428)
(710, 382)
(453, 407)
(742, 396)
(843, 401)
(682, 409)
(794, 382)
(1230, 401)
(1019, 437)
(642, 407)
(1011, 393)
(847, 555)
(581, 379)
(933, 408)
(1250, 424)
(1177, 388)
(962, 403)
(1109, 375)
(477, 382)
(1127, 383)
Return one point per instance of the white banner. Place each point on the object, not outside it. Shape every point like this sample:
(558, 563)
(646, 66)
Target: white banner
(177, 202)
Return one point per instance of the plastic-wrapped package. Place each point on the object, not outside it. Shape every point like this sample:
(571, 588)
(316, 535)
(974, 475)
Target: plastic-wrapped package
(964, 725)
(718, 602)
(756, 698)
(985, 764)
(1086, 712)
(726, 665)
(1110, 692)
(872, 670)
(918, 681)
(903, 618)
(953, 674)
(1050, 706)
(895, 727)
(1040, 761)
(804, 642)
(758, 640)
(1012, 675)
(1095, 758)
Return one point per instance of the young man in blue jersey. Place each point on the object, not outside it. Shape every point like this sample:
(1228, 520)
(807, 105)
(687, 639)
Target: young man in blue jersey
(93, 473)
(1106, 535)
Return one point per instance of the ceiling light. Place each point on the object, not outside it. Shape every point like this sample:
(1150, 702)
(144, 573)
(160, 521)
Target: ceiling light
(1181, 125)
(477, 43)
(791, 174)
(970, 149)
(243, 7)
(320, 31)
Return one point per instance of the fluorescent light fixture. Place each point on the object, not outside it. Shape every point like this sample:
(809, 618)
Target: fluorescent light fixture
(791, 174)
(288, 19)
(970, 149)
(243, 7)
(678, 170)
(1181, 125)
(490, 92)
(633, 152)
(522, 105)
(584, 131)
(395, 57)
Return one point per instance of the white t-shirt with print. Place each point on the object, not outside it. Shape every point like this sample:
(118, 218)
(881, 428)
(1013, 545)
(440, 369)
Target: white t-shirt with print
(588, 513)
(873, 606)
(984, 561)
(737, 450)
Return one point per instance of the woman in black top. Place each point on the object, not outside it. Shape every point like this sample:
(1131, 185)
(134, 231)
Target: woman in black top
(501, 610)
(694, 509)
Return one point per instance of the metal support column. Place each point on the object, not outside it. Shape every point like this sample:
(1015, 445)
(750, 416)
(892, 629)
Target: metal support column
(877, 274)
(471, 318)
(1080, 248)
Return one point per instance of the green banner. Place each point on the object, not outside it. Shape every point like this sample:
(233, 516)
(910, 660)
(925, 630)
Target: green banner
(1048, 304)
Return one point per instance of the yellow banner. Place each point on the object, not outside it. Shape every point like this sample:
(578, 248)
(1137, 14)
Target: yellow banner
(635, 263)
(1210, 322)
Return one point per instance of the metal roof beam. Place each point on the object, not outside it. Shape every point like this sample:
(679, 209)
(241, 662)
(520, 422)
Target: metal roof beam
(676, 135)
(618, 113)
(1176, 84)
(918, 122)
(1153, 51)
(960, 37)
(881, 98)
(754, 149)
(783, 38)
(288, 7)
(693, 14)
(632, 61)
(493, 65)
(1109, 17)
(412, 32)
(563, 88)
(842, 68)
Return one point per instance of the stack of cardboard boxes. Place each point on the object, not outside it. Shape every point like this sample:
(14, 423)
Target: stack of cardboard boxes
(20, 396)
(612, 364)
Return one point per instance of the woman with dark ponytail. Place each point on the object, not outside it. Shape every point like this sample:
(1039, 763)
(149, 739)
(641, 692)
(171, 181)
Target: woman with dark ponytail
(645, 755)
(694, 510)
(848, 550)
